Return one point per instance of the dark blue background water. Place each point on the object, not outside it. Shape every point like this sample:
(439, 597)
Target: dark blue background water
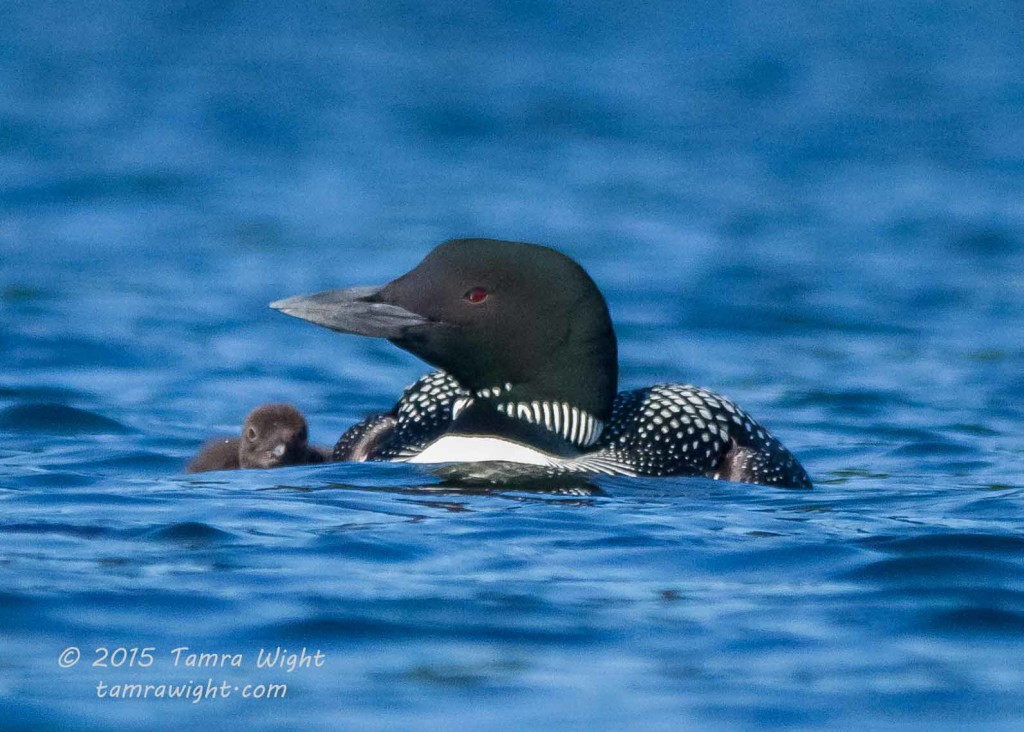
(818, 211)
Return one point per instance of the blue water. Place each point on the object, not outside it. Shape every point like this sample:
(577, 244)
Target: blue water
(814, 210)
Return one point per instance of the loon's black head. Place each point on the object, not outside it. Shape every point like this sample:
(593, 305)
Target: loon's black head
(492, 314)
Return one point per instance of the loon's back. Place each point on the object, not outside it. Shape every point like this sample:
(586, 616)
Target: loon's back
(662, 430)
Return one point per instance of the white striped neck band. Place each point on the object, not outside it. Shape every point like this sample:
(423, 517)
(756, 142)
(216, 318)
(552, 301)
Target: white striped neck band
(569, 422)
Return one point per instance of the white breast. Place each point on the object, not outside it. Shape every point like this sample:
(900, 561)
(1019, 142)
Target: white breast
(472, 449)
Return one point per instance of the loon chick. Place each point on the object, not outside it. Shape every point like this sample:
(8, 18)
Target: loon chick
(274, 435)
(529, 375)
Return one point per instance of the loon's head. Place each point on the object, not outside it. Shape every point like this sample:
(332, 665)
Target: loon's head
(504, 318)
(273, 435)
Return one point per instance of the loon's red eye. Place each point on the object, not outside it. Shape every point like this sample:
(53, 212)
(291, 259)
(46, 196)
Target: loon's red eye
(476, 295)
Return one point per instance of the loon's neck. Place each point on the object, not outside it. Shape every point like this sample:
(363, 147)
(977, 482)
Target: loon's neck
(558, 428)
(568, 392)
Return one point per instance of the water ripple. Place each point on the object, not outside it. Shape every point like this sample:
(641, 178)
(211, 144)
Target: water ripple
(58, 419)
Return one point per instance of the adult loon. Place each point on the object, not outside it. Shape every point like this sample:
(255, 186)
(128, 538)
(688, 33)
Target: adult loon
(529, 375)
(273, 435)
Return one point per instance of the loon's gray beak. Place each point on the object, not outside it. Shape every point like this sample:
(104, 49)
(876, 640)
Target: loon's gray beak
(351, 311)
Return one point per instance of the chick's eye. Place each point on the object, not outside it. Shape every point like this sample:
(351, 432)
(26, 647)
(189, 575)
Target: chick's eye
(251, 433)
(476, 295)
